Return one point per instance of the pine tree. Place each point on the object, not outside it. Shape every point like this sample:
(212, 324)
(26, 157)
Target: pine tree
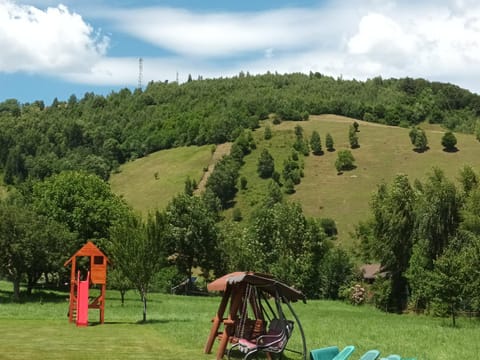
(419, 139)
(329, 142)
(353, 137)
(316, 143)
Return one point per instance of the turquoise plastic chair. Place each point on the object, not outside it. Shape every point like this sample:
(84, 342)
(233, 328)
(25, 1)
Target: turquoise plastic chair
(345, 353)
(392, 357)
(332, 353)
(370, 355)
(327, 353)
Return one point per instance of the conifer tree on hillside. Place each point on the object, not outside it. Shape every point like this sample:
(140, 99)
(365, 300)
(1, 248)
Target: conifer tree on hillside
(353, 137)
(356, 125)
(329, 142)
(419, 139)
(316, 143)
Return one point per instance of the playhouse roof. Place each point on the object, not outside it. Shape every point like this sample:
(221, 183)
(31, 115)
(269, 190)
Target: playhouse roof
(89, 249)
(264, 281)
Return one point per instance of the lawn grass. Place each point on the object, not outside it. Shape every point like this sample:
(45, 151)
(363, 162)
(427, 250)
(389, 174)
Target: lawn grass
(178, 327)
(384, 152)
(144, 191)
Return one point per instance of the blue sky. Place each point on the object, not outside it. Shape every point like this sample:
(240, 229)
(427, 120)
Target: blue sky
(52, 49)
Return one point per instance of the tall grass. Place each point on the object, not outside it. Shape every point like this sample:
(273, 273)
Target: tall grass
(178, 328)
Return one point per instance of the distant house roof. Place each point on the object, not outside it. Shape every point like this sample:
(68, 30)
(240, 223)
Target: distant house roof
(371, 271)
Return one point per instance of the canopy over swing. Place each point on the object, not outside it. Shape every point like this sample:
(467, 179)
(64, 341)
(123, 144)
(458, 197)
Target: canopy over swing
(247, 295)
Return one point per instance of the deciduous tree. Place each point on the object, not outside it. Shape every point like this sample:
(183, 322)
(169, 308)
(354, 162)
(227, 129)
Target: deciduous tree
(137, 249)
(30, 245)
(393, 231)
(84, 202)
(283, 242)
(193, 240)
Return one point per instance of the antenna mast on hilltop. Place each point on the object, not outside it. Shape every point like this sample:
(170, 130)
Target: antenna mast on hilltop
(140, 73)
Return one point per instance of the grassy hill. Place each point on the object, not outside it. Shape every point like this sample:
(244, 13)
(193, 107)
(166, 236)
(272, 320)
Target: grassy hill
(150, 182)
(384, 152)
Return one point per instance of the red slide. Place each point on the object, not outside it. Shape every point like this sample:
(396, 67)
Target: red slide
(82, 300)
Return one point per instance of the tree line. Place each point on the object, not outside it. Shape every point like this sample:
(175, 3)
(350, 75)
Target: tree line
(96, 133)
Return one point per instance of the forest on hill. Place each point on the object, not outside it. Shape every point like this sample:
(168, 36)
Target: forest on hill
(55, 160)
(97, 133)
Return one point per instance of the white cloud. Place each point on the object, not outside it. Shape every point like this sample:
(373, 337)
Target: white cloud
(383, 40)
(434, 39)
(46, 41)
(227, 34)
(438, 40)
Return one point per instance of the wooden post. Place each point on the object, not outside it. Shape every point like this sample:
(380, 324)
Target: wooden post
(102, 304)
(229, 323)
(72, 308)
(217, 320)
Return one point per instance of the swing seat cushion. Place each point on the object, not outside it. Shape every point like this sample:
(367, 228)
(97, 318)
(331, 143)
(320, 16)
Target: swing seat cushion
(245, 345)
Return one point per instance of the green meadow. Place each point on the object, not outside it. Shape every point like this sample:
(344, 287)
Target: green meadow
(384, 152)
(150, 183)
(178, 327)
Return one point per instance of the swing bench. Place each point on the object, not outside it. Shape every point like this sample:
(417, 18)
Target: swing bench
(251, 324)
(274, 341)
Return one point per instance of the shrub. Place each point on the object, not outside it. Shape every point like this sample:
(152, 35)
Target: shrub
(329, 226)
(289, 186)
(344, 161)
(267, 135)
(357, 294)
(237, 215)
(243, 183)
(266, 164)
(449, 141)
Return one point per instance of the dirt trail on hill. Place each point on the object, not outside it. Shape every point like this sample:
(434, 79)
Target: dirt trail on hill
(220, 151)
